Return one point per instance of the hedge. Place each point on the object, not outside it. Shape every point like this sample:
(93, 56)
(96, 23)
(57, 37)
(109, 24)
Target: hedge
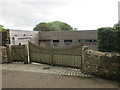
(109, 39)
(4, 38)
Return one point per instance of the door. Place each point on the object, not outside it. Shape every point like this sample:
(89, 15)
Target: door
(44, 43)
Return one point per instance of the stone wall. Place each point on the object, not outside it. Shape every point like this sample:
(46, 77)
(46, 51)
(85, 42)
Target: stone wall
(101, 64)
(3, 55)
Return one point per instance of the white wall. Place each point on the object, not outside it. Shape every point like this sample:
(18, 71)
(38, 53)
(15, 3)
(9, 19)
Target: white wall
(23, 37)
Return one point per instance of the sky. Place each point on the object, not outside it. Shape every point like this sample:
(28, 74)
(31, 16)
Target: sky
(81, 14)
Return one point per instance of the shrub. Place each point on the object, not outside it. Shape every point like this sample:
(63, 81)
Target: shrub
(109, 39)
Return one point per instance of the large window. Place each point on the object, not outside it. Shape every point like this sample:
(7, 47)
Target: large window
(68, 42)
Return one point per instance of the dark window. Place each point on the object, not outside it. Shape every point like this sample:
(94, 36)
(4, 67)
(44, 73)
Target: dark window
(68, 42)
(24, 34)
(55, 42)
(82, 40)
(94, 40)
(88, 40)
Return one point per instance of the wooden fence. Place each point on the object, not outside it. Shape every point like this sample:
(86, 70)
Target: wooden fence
(17, 53)
(68, 56)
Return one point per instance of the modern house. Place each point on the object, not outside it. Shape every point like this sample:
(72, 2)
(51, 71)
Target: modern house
(55, 38)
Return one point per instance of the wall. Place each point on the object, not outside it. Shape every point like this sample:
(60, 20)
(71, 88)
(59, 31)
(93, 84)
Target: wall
(22, 36)
(3, 55)
(101, 63)
(75, 36)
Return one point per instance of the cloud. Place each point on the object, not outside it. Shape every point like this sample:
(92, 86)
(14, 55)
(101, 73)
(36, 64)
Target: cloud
(26, 14)
(82, 14)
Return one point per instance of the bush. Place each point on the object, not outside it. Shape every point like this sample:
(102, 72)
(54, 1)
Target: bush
(109, 39)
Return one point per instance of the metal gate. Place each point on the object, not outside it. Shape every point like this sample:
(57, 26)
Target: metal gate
(17, 53)
(68, 56)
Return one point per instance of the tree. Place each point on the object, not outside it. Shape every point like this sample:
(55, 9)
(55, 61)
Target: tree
(52, 26)
(4, 36)
(1, 28)
(41, 27)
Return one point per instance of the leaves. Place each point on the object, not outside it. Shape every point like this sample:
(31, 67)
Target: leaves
(108, 39)
(52, 26)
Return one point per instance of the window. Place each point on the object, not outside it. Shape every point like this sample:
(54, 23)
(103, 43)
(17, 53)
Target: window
(55, 42)
(82, 40)
(24, 34)
(68, 42)
(93, 40)
(88, 40)
(16, 35)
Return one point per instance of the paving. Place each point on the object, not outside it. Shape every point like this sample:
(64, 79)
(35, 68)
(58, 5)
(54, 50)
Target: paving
(43, 68)
(22, 79)
(19, 75)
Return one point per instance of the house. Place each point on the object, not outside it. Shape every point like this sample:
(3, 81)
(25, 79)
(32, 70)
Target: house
(66, 38)
(55, 38)
(23, 36)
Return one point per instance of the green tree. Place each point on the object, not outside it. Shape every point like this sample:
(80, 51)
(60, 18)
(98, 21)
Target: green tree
(1, 28)
(41, 27)
(52, 26)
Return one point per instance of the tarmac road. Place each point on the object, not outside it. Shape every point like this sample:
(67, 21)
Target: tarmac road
(22, 79)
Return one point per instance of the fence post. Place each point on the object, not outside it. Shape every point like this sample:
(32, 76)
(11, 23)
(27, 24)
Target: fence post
(52, 56)
(9, 54)
(84, 48)
(25, 54)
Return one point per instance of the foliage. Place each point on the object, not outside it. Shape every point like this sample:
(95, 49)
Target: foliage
(41, 27)
(108, 39)
(2, 29)
(4, 36)
(52, 26)
(117, 24)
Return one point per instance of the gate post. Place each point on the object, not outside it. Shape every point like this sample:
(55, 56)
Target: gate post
(52, 56)
(84, 48)
(9, 54)
(25, 54)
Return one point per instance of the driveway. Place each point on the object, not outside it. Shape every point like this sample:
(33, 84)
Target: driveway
(12, 78)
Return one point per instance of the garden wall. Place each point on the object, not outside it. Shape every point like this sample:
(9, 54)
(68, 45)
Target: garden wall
(101, 63)
(3, 55)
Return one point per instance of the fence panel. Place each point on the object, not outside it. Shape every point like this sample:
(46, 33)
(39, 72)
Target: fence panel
(17, 53)
(68, 56)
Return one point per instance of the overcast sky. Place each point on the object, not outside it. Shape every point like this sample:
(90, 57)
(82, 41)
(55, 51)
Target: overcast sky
(81, 14)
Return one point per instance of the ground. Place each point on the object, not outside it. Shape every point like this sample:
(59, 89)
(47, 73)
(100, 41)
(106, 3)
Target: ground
(14, 77)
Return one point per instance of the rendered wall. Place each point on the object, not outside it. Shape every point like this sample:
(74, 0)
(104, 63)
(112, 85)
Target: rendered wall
(22, 36)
